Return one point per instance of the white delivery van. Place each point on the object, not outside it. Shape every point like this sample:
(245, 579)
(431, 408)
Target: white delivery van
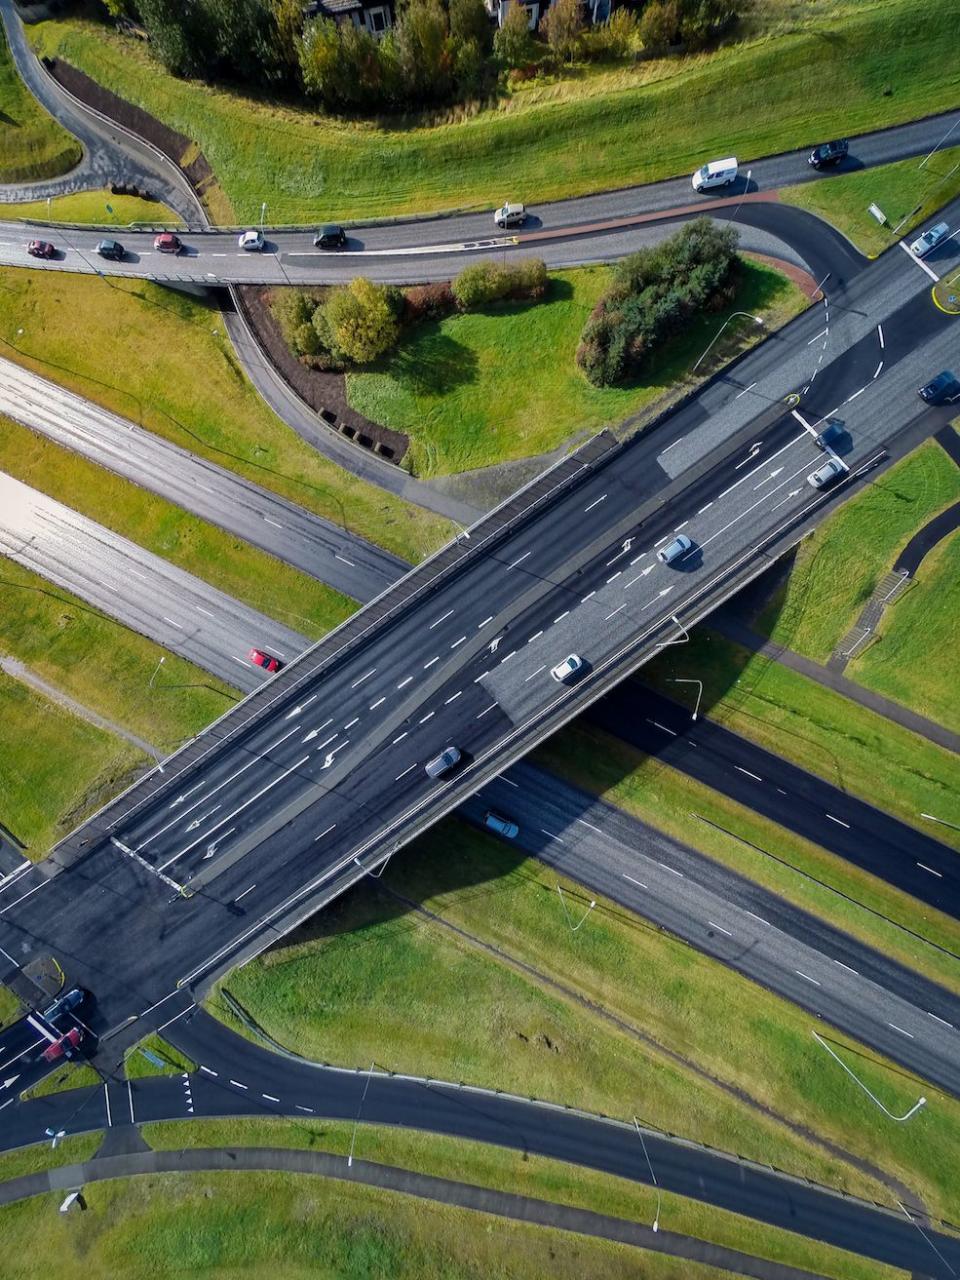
(718, 173)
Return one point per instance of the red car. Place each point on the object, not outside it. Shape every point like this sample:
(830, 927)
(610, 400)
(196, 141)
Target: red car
(168, 242)
(265, 660)
(41, 249)
(63, 1047)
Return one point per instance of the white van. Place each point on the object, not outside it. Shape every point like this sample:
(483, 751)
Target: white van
(718, 173)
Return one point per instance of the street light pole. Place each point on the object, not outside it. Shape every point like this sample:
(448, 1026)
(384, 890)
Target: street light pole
(698, 683)
(263, 213)
(910, 1218)
(157, 671)
(748, 316)
(872, 1096)
(359, 1110)
(574, 927)
(943, 822)
(646, 1156)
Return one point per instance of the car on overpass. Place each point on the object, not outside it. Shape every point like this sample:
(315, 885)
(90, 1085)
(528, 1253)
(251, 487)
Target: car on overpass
(41, 249)
(569, 669)
(111, 249)
(252, 241)
(943, 389)
(444, 763)
(168, 242)
(674, 550)
(332, 236)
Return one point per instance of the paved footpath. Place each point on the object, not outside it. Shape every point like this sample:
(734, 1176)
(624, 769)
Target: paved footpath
(441, 1190)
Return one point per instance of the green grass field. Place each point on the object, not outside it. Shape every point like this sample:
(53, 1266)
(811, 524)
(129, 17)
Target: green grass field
(360, 984)
(847, 898)
(604, 130)
(32, 144)
(179, 377)
(69, 1075)
(838, 566)
(229, 563)
(35, 1159)
(138, 1067)
(64, 641)
(906, 193)
(226, 1226)
(92, 206)
(462, 387)
(519, 1173)
(911, 659)
(10, 1007)
(852, 747)
(65, 767)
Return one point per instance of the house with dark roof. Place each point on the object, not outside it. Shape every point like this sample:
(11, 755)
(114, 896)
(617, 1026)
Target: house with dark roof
(375, 15)
(594, 11)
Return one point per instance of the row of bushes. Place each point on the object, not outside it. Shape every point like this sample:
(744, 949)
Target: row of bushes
(437, 51)
(654, 293)
(357, 323)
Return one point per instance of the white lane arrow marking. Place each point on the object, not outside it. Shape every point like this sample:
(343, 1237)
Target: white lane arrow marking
(666, 591)
(212, 848)
(180, 799)
(495, 644)
(10, 1080)
(328, 758)
(302, 707)
(196, 822)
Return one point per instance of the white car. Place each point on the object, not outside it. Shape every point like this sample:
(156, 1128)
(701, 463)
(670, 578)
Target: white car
(930, 239)
(824, 476)
(252, 240)
(675, 549)
(568, 669)
(510, 215)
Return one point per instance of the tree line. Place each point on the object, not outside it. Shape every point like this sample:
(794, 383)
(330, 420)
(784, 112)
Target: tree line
(437, 52)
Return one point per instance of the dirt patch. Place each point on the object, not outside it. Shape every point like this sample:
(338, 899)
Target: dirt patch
(177, 147)
(325, 392)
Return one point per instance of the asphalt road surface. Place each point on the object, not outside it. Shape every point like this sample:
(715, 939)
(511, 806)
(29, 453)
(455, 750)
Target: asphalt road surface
(327, 551)
(248, 1081)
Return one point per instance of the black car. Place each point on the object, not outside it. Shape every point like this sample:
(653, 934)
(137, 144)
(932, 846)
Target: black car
(943, 389)
(330, 237)
(69, 1002)
(829, 153)
(112, 249)
(830, 435)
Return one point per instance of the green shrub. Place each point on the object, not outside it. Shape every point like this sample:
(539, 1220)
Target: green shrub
(292, 309)
(361, 321)
(486, 282)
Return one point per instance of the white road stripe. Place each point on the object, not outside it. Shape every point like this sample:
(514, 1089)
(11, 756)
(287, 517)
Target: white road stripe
(454, 698)
(367, 676)
(443, 617)
(405, 772)
(801, 974)
(908, 1034)
(324, 833)
(838, 821)
(719, 928)
(428, 665)
(755, 776)
(633, 881)
(923, 867)
(920, 263)
(534, 673)
(595, 504)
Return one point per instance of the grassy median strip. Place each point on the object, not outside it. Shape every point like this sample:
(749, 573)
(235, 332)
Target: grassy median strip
(906, 193)
(462, 387)
(10, 1007)
(65, 767)
(178, 376)
(163, 1059)
(609, 1018)
(69, 1075)
(228, 563)
(518, 1173)
(41, 1156)
(848, 67)
(849, 899)
(855, 749)
(102, 664)
(220, 1226)
(32, 144)
(840, 563)
(911, 659)
(102, 208)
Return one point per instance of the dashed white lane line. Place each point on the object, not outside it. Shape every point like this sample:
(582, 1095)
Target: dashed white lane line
(815, 337)
(588, 596)
(919, 261)
(427, 665)
(276, 523)
(880, 335)
(404, 682)
(486, 709)
(847, 967)
(680, 526)
(801, 974)
(482, 676)
(484, 622)
(719, 928)
(706, 508)
(244, 894)
(269, 1097)
(669, 868)
(337, 556)
(755, 776)
(519, 560)
(536, 636)
(671, 446)
(356, 684)
(351, 723)
(308, 1110)
(634, 881)
(615, 612)
(923, 867)
(403, 735)
(759, 919)
(942, 1021)
(209, 1071)
(511, 654)
(405, 772)
(428, 716)
(459, 642)
(178, 625)
(238, 1084)
(614, 576)
(584, 823)
(596, 503)
(324, 833)
(854, 396)
(663, 728)
(879, 367)
(839, 821)
(908, 1034)
(746, 389)
(551, 835)
(454, 698)
(534, 673)
(663, 539)
(379, 703)
(560, 617)
(443, 617)
(510, 782)
(200, 609)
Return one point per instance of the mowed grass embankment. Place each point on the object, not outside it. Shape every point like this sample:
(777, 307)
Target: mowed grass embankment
(853, 748)
(41, 1156)
(228, 563)
(906, 192)
(137, 1066)
(102, 664)
(67, 1076)
(32, 145)
(528, 1006)
(102, 208)
(841, 67)
(220, 1226)
(913, 658)
(178, 376)
(474, 390)
(518, 1173)
(64, 767)
(847, 898)
(839, 564)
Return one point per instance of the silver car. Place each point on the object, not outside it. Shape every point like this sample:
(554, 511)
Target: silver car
(930, 239)
(568, 669)
(510, 215)
(444, 763)
(675, 549)
(824, 476)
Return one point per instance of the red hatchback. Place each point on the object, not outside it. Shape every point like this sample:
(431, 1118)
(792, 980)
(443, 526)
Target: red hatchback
(41, 249)
(168, 242)
(265, 660)
(63, 1047)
